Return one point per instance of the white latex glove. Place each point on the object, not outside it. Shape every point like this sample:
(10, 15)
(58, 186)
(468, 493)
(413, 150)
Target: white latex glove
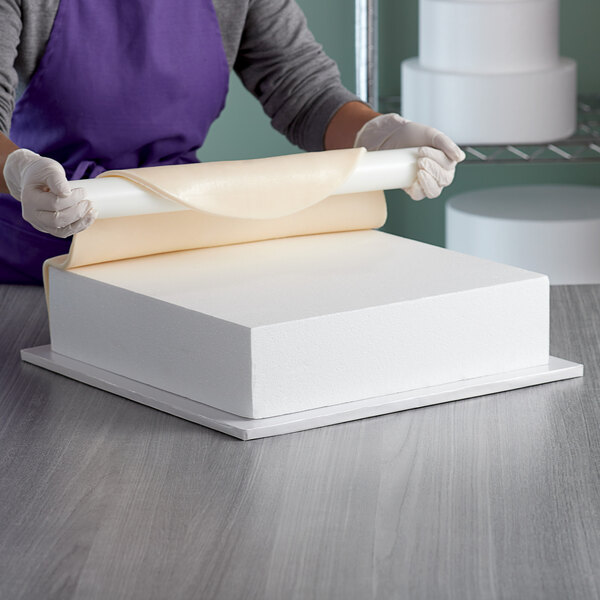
(438, 154)
(48, 202)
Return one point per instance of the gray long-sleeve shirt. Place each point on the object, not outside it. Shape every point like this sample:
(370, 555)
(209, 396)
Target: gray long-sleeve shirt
(266, 42)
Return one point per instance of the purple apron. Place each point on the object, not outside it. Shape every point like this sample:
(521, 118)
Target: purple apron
(121, 84)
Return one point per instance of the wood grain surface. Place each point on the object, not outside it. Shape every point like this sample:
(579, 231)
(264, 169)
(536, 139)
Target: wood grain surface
(492, 497)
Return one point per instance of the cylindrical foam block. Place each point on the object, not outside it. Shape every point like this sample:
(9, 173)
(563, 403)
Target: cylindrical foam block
(511, 108)
(488, 37)
(551, 229)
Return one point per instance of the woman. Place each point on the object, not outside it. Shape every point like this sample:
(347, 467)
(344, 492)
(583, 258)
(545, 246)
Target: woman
(115, 85)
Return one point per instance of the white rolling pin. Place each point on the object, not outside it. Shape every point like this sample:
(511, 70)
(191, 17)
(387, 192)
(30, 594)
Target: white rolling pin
(118, 197)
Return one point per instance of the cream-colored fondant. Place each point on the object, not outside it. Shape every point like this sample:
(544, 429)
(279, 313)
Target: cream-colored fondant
(232, 203)
(264, 188)
(143, 235)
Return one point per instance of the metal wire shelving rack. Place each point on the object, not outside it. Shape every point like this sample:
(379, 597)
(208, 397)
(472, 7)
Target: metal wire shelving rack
(582, 147)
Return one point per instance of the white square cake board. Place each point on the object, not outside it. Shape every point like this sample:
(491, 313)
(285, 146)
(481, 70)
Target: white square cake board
(248, 429)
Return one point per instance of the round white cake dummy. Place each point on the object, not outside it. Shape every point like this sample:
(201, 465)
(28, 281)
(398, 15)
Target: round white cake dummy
(501, 108)
(551, 229)
(507, 36)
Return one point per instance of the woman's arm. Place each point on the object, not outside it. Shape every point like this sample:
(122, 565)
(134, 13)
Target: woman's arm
(282, 65)
(299, 86)
(6, 147)
(346, 123)
(11, 26)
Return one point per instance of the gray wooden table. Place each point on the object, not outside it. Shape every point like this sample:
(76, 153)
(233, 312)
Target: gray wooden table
(493, 497)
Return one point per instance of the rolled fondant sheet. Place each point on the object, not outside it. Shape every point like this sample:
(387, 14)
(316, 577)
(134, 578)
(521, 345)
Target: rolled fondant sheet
(265, 188)
(290, 193)
(120, 194)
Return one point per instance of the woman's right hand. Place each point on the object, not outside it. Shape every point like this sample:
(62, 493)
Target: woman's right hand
(48, 202)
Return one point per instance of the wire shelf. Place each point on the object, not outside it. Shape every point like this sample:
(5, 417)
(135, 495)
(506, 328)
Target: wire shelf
(582, 147)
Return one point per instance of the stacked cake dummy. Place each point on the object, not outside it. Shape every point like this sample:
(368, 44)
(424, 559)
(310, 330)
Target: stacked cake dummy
(489, 72)
(262, 295)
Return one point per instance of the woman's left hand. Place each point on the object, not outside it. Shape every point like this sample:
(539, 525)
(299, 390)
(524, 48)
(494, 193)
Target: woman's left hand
(438, 155)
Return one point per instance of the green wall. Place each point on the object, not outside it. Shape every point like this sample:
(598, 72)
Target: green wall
(243, 131)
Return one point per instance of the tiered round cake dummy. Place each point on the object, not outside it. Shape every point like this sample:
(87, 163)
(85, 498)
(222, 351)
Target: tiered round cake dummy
(489, 72)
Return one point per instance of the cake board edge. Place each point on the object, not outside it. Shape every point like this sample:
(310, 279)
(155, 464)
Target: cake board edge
(243, 428)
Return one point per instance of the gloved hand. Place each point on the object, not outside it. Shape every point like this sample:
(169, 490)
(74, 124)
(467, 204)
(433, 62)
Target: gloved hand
(438, 154)
(48, 202)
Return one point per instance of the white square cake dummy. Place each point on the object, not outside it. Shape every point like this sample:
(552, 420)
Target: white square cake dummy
(280, 326)
(281, 317)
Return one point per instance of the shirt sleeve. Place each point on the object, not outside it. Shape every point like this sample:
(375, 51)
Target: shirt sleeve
(10, 33)
(281, 64)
